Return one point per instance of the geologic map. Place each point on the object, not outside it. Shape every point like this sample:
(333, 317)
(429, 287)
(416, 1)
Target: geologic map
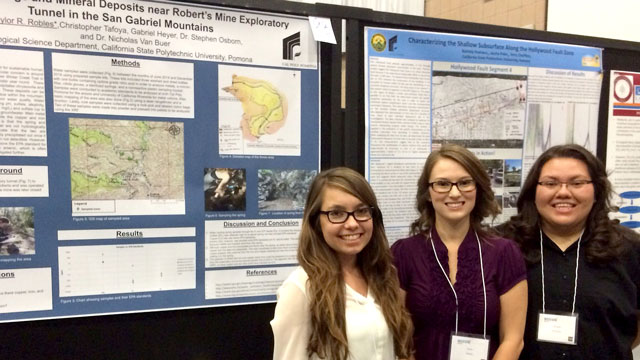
(264, 107)
(126, 160)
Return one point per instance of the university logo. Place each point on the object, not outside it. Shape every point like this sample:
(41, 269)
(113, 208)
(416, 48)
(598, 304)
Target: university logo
(378, 42)
(392, 43)
(291, 46)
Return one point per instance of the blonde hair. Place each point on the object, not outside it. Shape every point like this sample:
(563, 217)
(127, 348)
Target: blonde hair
(328, 337)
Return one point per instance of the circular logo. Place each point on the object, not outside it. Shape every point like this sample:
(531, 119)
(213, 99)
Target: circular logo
(378, 42)
(622, 88)
(174, 130)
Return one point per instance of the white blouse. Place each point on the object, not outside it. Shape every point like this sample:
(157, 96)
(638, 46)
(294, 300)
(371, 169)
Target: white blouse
(367, 333)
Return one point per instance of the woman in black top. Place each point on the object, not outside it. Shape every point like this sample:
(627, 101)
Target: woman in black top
(583, 268)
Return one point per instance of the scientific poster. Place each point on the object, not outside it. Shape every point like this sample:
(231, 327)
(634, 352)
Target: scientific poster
(153, 155)
(623, 146)
(505, 100)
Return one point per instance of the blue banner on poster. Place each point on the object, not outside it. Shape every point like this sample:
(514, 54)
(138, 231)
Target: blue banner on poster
(481, 50)
(153, 155)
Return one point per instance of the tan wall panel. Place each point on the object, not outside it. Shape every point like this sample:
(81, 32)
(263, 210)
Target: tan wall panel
(514, 13)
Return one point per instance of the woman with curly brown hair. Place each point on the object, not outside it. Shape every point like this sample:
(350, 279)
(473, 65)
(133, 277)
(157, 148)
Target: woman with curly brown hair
(459, 278)
(344, 301)
(583, 268)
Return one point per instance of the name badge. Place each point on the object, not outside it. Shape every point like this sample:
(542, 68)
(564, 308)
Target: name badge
(557, 328)
(468, 347)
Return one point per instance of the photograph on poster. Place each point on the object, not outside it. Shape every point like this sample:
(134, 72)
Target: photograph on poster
(510, 199)
(495, 171)
(117, 162)
(513, 172)
(225, 189)
(283, 189)
(261, 110)
(17, 231)
(499, 199)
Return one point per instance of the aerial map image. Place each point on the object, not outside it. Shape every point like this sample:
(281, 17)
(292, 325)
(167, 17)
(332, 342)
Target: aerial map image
(477, 106)
(123, 166)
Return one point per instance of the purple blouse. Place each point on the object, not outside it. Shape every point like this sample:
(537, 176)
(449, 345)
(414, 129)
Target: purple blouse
(431, 301)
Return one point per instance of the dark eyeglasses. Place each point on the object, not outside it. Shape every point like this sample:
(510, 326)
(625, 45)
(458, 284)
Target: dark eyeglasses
(341, 216)
(444, 186)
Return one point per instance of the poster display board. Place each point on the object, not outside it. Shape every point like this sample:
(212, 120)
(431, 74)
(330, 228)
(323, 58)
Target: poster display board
(623, 146)
(506, 100)
(153, 155)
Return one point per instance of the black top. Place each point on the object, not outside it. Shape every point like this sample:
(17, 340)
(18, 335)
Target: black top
(607, 301)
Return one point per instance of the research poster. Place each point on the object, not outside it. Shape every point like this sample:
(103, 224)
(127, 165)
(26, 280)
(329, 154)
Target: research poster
(153, 155)
(623, 146)
(505, 100)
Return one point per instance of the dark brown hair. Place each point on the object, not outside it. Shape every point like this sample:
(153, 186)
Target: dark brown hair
(486, 204)
(524, 227)
(328, 337)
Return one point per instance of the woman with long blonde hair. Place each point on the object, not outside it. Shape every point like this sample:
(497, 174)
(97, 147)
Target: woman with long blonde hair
(344, 300)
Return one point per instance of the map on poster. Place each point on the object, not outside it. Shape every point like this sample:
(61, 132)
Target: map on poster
(262, 111)
(506, 100)
(120, 160)
(475, 107)
(152, 155)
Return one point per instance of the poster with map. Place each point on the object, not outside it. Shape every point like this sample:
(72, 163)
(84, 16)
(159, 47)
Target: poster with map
(154, 155)
(506, 100)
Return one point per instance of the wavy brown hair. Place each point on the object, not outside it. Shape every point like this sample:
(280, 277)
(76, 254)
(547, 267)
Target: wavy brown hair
(486, 204)
(524, 227)
(326, 285)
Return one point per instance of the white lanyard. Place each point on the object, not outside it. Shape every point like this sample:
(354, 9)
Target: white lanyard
(575, 284)
(484, 289)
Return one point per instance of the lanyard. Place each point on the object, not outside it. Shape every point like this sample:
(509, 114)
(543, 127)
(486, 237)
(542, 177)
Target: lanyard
(484, 289)
(575, 284)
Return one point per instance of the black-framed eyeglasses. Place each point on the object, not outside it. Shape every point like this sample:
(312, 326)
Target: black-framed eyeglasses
(444, 186)
(571, 184)
(341, 216)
